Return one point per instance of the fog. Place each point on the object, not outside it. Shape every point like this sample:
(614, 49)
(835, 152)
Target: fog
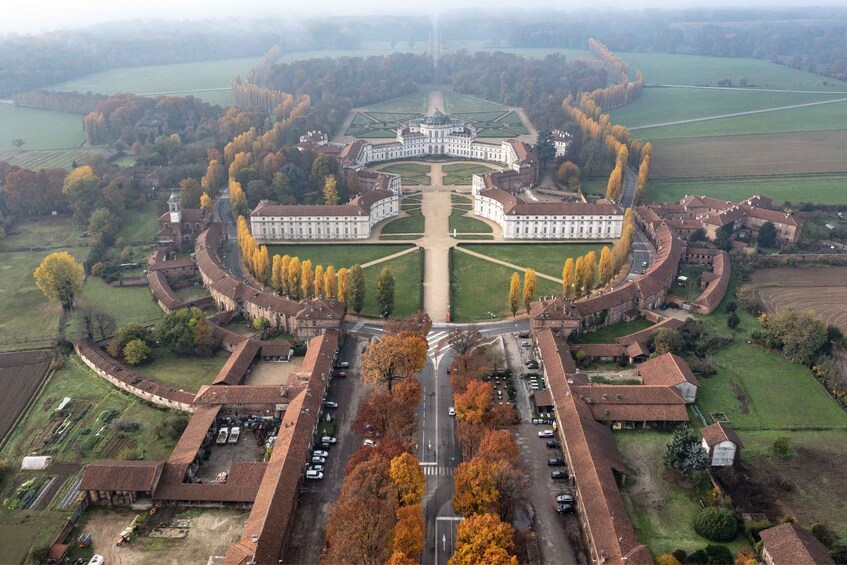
(33, 16)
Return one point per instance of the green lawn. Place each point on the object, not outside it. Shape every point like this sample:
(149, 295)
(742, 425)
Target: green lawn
(662, 68)
(43, 232)
(609, 333)
(142, 225)
(414, 223)
(458, 103)
(547, 258)
(126, 304)
(812, 118)
(53, 159)
(408, 277)
(460, 199)
(462, 221)
(661, 105)
(338, 256)
(412, 173)
(822, 189)
(414, 103)
(479, 287)
(40, 129)
(461, 173)
(175, 79)
(180, 371)
(661, 512)
(595, 186)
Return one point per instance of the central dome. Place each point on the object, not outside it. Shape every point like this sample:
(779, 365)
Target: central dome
(437, 119)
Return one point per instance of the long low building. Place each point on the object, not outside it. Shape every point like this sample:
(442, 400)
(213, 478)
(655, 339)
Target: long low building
(281, 222)
(547, 220)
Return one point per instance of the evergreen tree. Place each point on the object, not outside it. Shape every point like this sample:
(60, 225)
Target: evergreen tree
(356, 289)
(385, 292)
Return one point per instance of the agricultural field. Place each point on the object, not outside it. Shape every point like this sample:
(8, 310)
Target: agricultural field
(478, 287)
(661, 505)
(750, 155)
(344, 255)
(40, 129)
(822, 289)
(181, 371)
(413, 223)
(414, 174)
(20, 376)
(407, 271)
(821, 189)
(547, 258)
(207, 80)
(461, 173)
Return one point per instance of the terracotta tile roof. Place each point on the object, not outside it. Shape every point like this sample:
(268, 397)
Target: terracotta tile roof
(227, 286)
(266, 208)
(241, 394)
(600, 349)
(236, 367)
(181, 263)
(553, 309)
(139, 476)
(320, 309)
(241, 486)
(642, 395)
(543, 398)
(514, 206)
(666, 370)
(637, 349)
(206, 252)
(789, 544)
(192, 437)
(162, 291)
(624, 294)
(268, 300)
(274, 349)
(716, 289)
(643, 336)
(368, 199)
(717, 433)
(775, 216)
(556, 354)
(639, 413)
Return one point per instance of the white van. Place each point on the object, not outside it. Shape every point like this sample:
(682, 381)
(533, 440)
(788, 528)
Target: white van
(97, 560)
(234, 433)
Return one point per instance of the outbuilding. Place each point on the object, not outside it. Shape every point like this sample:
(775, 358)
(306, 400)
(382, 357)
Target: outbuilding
(721, 444)
(35, 462)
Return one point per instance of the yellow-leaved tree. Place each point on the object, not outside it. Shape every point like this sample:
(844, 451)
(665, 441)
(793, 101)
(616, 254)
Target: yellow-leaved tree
(60, 278)
(514, 293)
(528, 288)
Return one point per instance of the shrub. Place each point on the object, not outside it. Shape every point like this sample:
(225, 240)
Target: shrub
(718, 555)
(136, 352)
(666, 559)
(98, 268)
(825, 535)
(753, 527)
(680, 555)
(782, 446)
(733, 320)
(716, 524)
(699, 557)
(731, 307)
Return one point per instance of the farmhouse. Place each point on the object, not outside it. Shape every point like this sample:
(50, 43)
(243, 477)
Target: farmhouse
(721, 444)
(789, 544)
(276, 222)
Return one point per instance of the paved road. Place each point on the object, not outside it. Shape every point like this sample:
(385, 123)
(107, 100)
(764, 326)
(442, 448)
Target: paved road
(628, 189)
(231, 253)
(487, 329)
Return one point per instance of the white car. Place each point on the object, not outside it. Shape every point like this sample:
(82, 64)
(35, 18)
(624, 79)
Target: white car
(451, 411)
(318, 468)
(328, 439)
(314, 475)
(545, 433)
(320, 460)
(330, 404)
(369, 443)
(343, 365)
(319, 453)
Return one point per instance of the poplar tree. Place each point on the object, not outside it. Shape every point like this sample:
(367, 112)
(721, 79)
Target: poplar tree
(356, 289)
(514, 293)
(385, 292)
(568, 278)
(528, 287)
(307, 280)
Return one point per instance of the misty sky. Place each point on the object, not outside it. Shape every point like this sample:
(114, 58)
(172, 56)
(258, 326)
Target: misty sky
(31, 16)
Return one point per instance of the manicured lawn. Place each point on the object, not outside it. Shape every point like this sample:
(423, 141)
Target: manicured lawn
(473, 237)
(40, 129)
(822, 189)
(141, 225)
(461, 173)
(43, 232)
(463, 222)
(608, 334)
(337, 255)
(458, 103)
(401, 237)
(411, 173)
(595, 186)
(662, 513)
(461, 200)
(811, 118)
(180, 371)
(175, 79)
(479, 286)
(414, 223)
(547, 258)
(53, 159)
(408, 277)
(662, 68)
(126, 304)
(662, 105)
(415, 103)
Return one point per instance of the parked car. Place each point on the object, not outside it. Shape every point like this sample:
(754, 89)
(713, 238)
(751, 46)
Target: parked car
(223, 434)
(556, 462)
(328, 439)
(528, 361)
(320, 460)
(343, 365)
(314, 475)
(564, 508)
(532, 365)
(545, 433)
(523, 334)
(526, 344)
(320, 453)
(341, 375)
(565, 498)
(318, 468)
(558, 474)
(451, 411)
(330, 404)
(369, 443)
(553, 444)
(234, 434)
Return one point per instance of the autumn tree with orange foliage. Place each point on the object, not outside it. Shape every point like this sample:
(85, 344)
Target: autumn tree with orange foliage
(475, 487)
(394, 358)
(391, 414)
(409, 479)
(410, 532)
(420, 323)
(473, 404)
(484, 538)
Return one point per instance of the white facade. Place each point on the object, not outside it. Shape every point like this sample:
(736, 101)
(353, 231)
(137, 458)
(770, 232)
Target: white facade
(348, 221)
(544, 221)
(561, 139)
(722, 454)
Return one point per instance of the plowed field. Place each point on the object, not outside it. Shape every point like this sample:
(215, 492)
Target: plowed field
(20, 376)
(822, 289)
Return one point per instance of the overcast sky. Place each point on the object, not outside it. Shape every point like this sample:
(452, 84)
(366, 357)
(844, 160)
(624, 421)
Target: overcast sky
(29, 16)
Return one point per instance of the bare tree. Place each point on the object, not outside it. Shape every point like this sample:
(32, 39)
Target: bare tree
(86, 323)
(495, 355)
(463, 341)
(105, 324)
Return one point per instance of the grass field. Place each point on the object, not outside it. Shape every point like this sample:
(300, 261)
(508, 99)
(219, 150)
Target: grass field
(461, 173)
(182, 372)
(547, 258)
(750, 155)
(40, 129)
(413, 223)
(662, 68)
(412, 173)
(458, 103)
(813, 118)
(141, 225)
(662, 105)
(338, 255)
(479, 287)
(52, 159)
(408, 277)
(414, 103)
(610, 333)
(202, 79)
(126, 304)
(661, 512)
(462, 221)
(822, 189)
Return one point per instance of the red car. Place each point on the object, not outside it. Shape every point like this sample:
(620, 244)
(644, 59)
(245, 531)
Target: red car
(341, 375)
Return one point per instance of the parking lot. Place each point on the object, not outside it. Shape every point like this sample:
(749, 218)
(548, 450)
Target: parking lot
(557, 534)
(305, 544)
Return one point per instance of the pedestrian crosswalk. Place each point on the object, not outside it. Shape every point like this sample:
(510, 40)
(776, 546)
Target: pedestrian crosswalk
(434, 339)
(431, 471)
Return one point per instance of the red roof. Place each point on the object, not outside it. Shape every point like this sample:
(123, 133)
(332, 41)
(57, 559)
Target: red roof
(718, 433)
(666, 370)
(138, 476)
(789, 544)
